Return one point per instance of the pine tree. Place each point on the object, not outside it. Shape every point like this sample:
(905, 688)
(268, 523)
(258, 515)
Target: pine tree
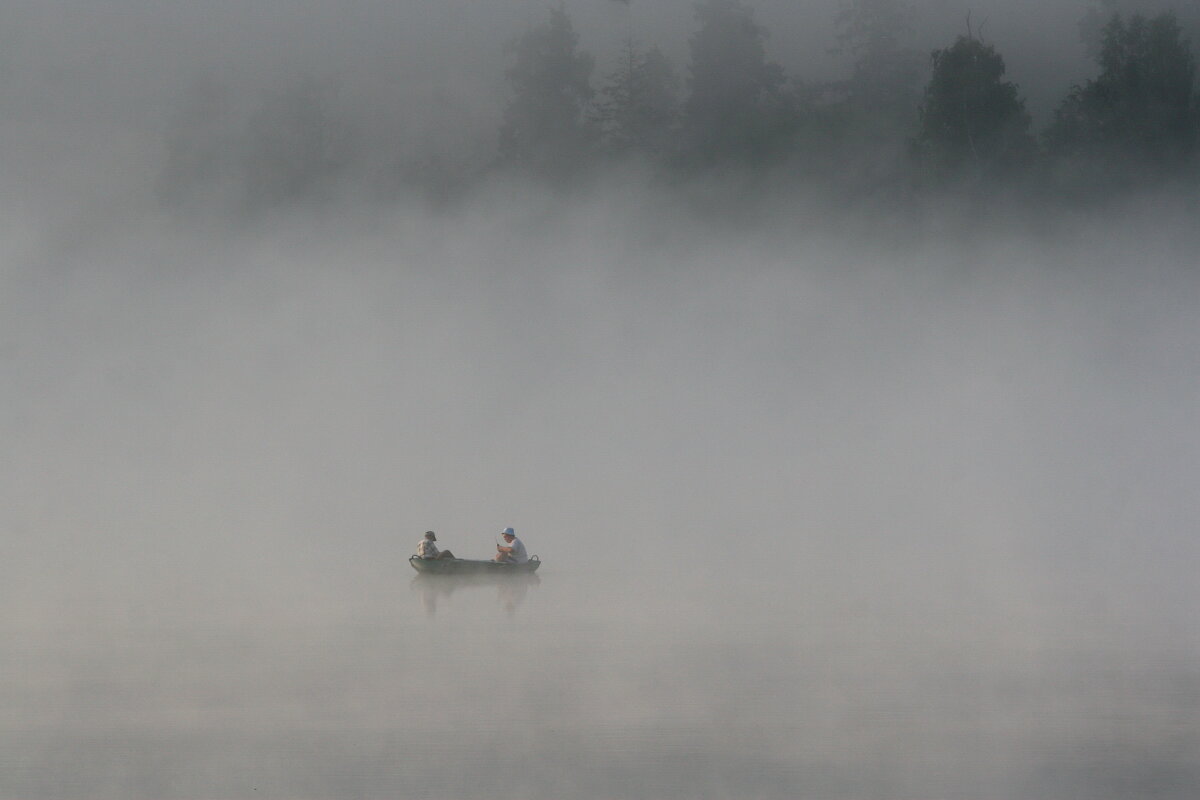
(883, 86)
(638, 106)
(737, 108)
(546, 128)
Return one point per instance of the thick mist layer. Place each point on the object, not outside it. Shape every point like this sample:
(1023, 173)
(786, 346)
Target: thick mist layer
(764, 467)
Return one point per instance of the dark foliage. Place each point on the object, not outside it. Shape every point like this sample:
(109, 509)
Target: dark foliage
(883, 88)
(638, 106)
(1136, 123)
(737, 109)
(546, 129)
(854, 133)
(1138, 118)
(972, 121)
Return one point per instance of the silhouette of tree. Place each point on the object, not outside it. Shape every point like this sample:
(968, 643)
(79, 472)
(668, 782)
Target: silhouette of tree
(1141, 111)
(971, 120)
(736, 108)
(545, 126)
(1101, 12)
(857, 130)
(883, 87)
(638, 106)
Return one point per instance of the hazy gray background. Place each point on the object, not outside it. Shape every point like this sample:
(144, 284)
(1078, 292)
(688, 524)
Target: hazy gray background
(829, 507)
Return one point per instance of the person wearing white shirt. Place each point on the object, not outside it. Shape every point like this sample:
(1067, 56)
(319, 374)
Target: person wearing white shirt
(513, 549)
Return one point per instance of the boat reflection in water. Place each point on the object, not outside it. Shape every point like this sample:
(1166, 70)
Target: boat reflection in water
(511, 588)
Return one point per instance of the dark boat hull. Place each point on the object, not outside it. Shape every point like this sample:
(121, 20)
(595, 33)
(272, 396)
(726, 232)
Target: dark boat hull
(467, 566)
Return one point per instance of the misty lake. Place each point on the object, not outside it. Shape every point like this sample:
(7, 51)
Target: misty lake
(920, 530)
(848, 395)
(677, 681)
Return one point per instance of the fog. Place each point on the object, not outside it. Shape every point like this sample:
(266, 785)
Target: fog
(885, 501)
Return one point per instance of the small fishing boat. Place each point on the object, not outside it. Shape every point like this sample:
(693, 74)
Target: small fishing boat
(467, 566)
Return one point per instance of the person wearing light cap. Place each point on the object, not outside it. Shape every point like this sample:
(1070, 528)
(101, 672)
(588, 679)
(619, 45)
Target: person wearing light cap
(513, 549)
(427, 549)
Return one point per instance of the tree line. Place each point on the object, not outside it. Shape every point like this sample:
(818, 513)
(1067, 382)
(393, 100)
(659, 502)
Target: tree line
(1137, 119)
(900, 119)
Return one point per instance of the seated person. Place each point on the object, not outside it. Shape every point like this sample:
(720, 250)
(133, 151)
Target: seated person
(513, 550)
(427, 549)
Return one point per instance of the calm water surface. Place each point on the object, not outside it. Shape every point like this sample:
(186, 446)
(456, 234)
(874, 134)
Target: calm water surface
(666, 683)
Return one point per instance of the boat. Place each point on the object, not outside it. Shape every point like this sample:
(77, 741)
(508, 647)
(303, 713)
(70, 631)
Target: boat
(468, 566)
